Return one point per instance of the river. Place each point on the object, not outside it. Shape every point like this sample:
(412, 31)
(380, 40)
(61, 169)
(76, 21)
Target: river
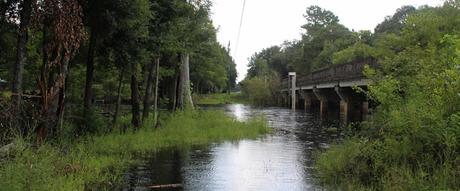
(283, 160)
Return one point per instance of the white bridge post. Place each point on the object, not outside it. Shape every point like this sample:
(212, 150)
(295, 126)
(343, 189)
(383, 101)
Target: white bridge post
(292, 77)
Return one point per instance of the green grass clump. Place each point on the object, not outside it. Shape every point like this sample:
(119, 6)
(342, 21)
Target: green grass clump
(97, 163)
(221, 98)
(359, 164)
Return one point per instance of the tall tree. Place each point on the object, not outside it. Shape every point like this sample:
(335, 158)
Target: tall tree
(195, 16)
(132, 31)
(324, 35)
(65, 30)
(25, 16)
(395, 23)
(101, 20)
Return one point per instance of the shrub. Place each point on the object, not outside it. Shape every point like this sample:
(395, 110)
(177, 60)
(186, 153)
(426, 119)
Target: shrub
(260, 90)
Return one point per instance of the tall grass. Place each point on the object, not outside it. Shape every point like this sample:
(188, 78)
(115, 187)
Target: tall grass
(358, 164)
(97, 162)
(221, 98)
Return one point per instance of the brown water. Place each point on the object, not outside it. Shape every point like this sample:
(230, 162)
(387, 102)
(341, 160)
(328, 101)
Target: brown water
(280, 161)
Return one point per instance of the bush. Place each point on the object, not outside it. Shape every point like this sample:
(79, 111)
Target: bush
(260, 90)
(413, 140)
(221, 98)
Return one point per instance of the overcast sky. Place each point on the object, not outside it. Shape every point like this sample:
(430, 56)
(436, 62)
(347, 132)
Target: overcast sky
(271, 22)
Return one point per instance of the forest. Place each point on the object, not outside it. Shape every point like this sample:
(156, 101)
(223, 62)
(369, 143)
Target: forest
(412, 141)
(86, 87)
(72, 61)
(83, 83)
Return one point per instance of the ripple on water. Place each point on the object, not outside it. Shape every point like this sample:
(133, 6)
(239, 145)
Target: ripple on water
(281, 161)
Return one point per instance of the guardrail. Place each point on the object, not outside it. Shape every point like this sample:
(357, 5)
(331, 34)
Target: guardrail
(335, 73)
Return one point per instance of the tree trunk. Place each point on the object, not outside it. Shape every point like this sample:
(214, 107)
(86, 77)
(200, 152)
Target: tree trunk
(185, 94)
(179, 90)
(155, 99)
(3, 7)
(148, 91)
(117, 106)
(173, 93)
(21, 56)
(89, 80)
(62, 95)
(53, 98)
(135, 97)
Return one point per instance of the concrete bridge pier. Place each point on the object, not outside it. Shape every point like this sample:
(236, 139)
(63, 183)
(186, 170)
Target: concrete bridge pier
(365, 110)
(323, 103)
(308, 98)
(298, 100)
(282, 99)
(286, 99)
(345, 97)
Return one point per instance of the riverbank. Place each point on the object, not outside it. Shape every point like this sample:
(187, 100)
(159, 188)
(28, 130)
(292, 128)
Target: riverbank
(221, 98)
(98, 162)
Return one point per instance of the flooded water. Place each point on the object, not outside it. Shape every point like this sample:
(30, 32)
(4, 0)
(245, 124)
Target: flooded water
(282, 160)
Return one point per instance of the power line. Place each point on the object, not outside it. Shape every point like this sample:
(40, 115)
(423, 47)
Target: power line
(239, 29)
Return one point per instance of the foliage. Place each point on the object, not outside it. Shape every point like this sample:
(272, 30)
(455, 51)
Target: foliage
(413, 140)
(260, 90)
(356, 52)
(98, 162)
(324, 36)
(221, 98)
(395, 23)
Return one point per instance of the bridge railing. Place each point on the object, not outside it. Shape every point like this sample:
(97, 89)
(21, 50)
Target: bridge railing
(342, 72)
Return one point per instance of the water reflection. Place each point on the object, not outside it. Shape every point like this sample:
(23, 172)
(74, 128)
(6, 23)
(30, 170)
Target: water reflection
(281, 161)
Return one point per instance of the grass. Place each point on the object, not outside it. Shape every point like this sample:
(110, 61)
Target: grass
(359, 164)
(219, 99)
(98, 162)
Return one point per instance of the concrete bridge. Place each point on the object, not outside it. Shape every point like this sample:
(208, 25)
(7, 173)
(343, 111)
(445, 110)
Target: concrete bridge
(330, 91)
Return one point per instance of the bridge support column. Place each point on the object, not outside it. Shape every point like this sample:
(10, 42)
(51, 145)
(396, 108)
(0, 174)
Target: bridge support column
(292, 77)
(279, 99)
(323, 104)
(285, 99)
(307, 104)
(345, 105)
(344, 111)
(307, 98)
(365, 110)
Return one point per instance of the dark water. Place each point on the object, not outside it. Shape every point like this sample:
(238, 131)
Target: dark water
(280, 161)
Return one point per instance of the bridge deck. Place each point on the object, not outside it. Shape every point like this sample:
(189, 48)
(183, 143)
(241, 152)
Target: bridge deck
(344, 75)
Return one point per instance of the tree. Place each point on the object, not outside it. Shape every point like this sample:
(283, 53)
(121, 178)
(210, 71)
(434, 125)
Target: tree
(395, 23)
(98, 20)
(25, 16)
(318, 18)
(63, 21)
(195, 16)
(8, 40)
(132, 31)
(324, 35)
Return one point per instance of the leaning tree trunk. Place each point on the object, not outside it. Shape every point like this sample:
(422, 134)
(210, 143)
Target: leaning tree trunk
(148, 91)
(21, 57)
(155, 99)
(135, 97)
(117, 106)
(89, 80)
(185, 95)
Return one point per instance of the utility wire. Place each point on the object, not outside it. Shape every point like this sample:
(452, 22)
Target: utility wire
(239, 29)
